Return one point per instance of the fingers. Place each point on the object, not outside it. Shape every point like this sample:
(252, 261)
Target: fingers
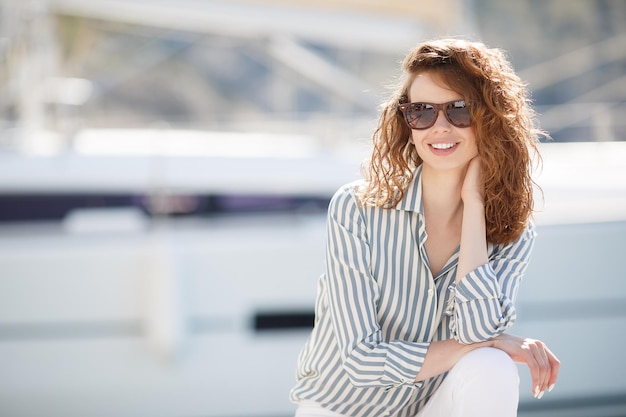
(555, 366)
(473, 170)
(543, 364)
(544, 367)
(472, 186)
(538, 365)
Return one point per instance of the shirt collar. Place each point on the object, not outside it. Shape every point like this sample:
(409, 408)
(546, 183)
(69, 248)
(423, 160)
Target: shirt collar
(412, 199)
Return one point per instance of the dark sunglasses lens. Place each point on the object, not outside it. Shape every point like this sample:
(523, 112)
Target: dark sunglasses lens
(420, 116)
(458, 114)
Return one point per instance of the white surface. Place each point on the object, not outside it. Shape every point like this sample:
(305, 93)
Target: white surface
(156, 321)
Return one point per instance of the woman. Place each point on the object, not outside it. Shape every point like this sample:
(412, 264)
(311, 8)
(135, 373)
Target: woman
(425, 255)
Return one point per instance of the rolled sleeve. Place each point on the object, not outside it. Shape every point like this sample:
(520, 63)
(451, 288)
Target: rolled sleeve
(387, 364)
(482, 304)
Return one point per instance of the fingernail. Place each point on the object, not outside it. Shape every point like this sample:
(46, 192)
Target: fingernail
(551, 387)
(536, 391)
(540, 395)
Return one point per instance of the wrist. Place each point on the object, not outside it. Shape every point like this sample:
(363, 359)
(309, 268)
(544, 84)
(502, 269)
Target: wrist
(493, 343)
(476, 203)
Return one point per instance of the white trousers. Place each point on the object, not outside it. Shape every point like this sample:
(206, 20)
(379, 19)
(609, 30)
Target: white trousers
(484, 383)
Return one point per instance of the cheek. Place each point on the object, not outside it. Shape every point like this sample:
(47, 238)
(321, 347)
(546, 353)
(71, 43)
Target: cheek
(416, 141)
(416, 138)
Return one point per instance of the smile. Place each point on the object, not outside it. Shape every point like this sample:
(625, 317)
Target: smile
(443, 146)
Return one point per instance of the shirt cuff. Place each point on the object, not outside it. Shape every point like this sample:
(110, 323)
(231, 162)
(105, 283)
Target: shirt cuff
(403, 363)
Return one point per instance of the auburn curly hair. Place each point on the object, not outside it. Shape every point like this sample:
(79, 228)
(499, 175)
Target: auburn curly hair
(501, 117)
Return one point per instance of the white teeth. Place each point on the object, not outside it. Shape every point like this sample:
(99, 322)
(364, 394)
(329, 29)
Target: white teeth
(442, 145)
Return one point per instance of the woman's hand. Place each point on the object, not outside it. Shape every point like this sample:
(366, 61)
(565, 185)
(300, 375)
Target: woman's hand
(472, 189)
(543, 364)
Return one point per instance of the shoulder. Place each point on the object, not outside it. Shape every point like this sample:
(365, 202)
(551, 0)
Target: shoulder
(528, 234)
(345, 201)
(523, 244)
(347, 193)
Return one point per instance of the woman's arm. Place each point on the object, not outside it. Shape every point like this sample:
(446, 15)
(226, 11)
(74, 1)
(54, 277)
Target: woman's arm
(543, 364)
(473, 248)
(485, 299)
(443, 355)
(482, 305)
(353, 295)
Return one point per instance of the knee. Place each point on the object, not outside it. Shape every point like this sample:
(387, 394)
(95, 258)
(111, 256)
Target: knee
(489, 366)
(485, 382)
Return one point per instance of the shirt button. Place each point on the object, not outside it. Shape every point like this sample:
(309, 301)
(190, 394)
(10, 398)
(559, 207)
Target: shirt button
(430, 292)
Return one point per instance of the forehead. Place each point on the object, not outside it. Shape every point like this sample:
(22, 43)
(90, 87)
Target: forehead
(430, 87)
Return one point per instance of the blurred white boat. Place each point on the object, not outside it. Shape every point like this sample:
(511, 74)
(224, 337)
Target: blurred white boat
(124, 311)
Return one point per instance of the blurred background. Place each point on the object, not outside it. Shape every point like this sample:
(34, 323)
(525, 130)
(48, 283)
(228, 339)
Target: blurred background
(165, 168)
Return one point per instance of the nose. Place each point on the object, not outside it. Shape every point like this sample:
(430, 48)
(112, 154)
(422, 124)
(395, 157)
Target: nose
(442, 123)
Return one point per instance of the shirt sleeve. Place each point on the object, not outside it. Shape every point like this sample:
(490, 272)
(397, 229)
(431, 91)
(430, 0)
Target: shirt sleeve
(482, 305)
(368, 360)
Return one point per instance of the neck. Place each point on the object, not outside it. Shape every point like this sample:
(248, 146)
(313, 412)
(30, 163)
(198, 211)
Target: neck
(441, 193)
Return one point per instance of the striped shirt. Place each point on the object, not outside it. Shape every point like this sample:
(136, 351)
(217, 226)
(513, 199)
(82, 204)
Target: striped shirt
(378, 307)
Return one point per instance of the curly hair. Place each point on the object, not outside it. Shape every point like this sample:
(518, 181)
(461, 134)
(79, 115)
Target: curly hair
(501, 117)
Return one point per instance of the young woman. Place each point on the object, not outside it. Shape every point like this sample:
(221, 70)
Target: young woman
(425, 255)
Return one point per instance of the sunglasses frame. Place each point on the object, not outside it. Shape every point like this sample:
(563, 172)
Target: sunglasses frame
(437, 107)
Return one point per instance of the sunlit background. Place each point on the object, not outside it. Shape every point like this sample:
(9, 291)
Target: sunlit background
(165, 168)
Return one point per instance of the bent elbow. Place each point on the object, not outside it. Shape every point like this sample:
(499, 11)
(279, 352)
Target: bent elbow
(470, 333)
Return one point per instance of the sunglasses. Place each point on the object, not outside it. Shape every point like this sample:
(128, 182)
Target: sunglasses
(424, 115)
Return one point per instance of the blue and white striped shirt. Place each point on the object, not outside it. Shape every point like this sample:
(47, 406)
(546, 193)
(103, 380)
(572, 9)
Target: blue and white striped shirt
(378, 307)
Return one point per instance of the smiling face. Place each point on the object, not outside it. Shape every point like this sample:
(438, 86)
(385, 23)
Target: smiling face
(441, 146)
